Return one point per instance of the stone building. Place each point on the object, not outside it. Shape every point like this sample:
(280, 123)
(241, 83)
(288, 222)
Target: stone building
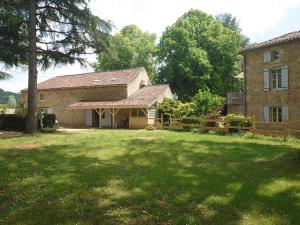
(114, 99)
(272, 79)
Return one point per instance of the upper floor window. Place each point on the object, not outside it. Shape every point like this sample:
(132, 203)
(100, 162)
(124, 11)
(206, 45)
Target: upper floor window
(42, 96)
(276, 78)
(270, 56)
(275, 55)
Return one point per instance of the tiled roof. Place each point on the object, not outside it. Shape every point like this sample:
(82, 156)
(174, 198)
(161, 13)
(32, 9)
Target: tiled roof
(94, 79)
(144, 97)
(278, 40)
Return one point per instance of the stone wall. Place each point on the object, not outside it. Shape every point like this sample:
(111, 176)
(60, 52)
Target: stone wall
(256, 97)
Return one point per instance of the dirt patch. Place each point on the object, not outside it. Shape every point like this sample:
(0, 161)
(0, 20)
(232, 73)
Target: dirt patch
(147, 138)
(26, 146)
(11, 134)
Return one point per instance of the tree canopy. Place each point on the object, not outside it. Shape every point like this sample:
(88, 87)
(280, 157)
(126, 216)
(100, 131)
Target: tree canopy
(46, 33)
(198, 52)
(130, 48)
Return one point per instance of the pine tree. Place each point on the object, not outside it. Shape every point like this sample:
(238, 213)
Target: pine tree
(46, 33)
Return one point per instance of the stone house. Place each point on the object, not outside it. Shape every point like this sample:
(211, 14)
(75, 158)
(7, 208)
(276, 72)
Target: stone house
(114, 99)
(272, 79)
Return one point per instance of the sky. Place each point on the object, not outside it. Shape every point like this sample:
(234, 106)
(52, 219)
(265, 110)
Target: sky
(260, 20)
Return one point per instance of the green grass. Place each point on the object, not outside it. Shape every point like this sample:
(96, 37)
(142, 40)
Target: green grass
(112, 177)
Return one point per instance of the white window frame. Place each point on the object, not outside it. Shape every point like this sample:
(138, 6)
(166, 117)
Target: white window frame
(278, 79)
(278, 117)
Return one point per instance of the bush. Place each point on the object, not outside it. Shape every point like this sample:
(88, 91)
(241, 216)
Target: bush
(48, 130)
(150, 127)
(240, 121)
(12, 122)
(49, 120)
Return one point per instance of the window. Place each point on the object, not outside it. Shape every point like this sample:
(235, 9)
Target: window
(276, 78)
(137, 113)
(42, 96)
(275, 55)
(276, 114)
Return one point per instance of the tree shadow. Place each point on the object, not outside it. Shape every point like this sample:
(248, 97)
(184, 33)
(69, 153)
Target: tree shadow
(150, 182)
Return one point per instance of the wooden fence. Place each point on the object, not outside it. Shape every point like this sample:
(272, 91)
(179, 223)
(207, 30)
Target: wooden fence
(281, 129)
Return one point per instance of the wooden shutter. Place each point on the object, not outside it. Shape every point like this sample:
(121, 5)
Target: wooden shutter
(285, 77)
(89, 117)
(267, 56)
(266, 113)
(285, 113)
(266, 80)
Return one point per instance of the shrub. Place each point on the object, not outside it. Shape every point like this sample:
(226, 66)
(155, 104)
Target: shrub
(238, 120)
(49, 120)
(150, 127)
(205, 102)
(12, 122)
(48, 130)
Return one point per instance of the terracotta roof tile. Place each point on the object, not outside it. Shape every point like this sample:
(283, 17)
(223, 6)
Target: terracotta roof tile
(94, 79)
(278, 40)
(145, 96)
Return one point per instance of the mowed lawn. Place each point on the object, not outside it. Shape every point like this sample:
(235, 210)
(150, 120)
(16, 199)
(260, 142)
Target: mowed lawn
(148, 177)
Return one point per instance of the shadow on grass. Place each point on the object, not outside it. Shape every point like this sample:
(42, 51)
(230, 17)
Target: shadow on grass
(151, 182)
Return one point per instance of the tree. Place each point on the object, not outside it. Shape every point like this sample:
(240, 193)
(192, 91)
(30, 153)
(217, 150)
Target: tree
(4, 75)
(11, 102)
(232, 23)
(45, 33)
(130, 48)
(198, 52)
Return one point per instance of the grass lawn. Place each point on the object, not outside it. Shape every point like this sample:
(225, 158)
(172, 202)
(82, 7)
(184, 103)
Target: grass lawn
(148, 177)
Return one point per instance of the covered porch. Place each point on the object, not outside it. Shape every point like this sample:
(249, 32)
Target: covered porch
(114, 116)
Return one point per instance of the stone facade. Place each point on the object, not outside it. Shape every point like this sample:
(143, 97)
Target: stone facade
(261, 91)
(57, 101)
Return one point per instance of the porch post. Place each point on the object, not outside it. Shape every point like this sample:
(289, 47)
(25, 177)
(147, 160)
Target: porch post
(113, 118)
(100, 118)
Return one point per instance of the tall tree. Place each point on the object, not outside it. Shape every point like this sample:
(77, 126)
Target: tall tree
(198, 52)
(4, 75)
(231, 22)
(130, 48)
(45, 33)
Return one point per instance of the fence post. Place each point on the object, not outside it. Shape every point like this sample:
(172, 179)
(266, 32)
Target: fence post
(162, 121)
(253, 126)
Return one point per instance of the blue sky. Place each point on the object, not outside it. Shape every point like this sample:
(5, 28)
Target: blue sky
(259, 19)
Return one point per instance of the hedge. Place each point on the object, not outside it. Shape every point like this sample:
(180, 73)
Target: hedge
(12, 122)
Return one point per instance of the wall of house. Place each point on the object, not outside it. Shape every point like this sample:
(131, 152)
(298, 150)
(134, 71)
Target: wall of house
(135, 84)
(256, 97)
(59, 100)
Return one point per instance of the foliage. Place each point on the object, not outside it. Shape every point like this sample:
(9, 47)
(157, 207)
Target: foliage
(88, 177)
(198, 52)
(205, 102)
(202, 103)
(238, 120)
(47, 33)
(5, 94)
(49, 120)
(11, 102)
(176, 108)
(4, 75)
(232, 23)
(130, 48)
(12, 122)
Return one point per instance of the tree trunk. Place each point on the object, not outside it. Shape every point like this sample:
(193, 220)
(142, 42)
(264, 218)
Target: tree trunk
(31, 125)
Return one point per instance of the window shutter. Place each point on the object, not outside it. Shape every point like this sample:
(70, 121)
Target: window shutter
(89, 117)
(285, 77)
(267, 56)
(266, 112)
(266, 80)
(285, 113)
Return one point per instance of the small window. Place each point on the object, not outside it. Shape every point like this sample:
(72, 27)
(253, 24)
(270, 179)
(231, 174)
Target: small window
(276, 114)
(42, 96)
(276, 79)
(275, 55)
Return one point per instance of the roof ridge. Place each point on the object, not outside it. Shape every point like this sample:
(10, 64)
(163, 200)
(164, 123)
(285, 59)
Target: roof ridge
(294, 35)
(94, 72)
